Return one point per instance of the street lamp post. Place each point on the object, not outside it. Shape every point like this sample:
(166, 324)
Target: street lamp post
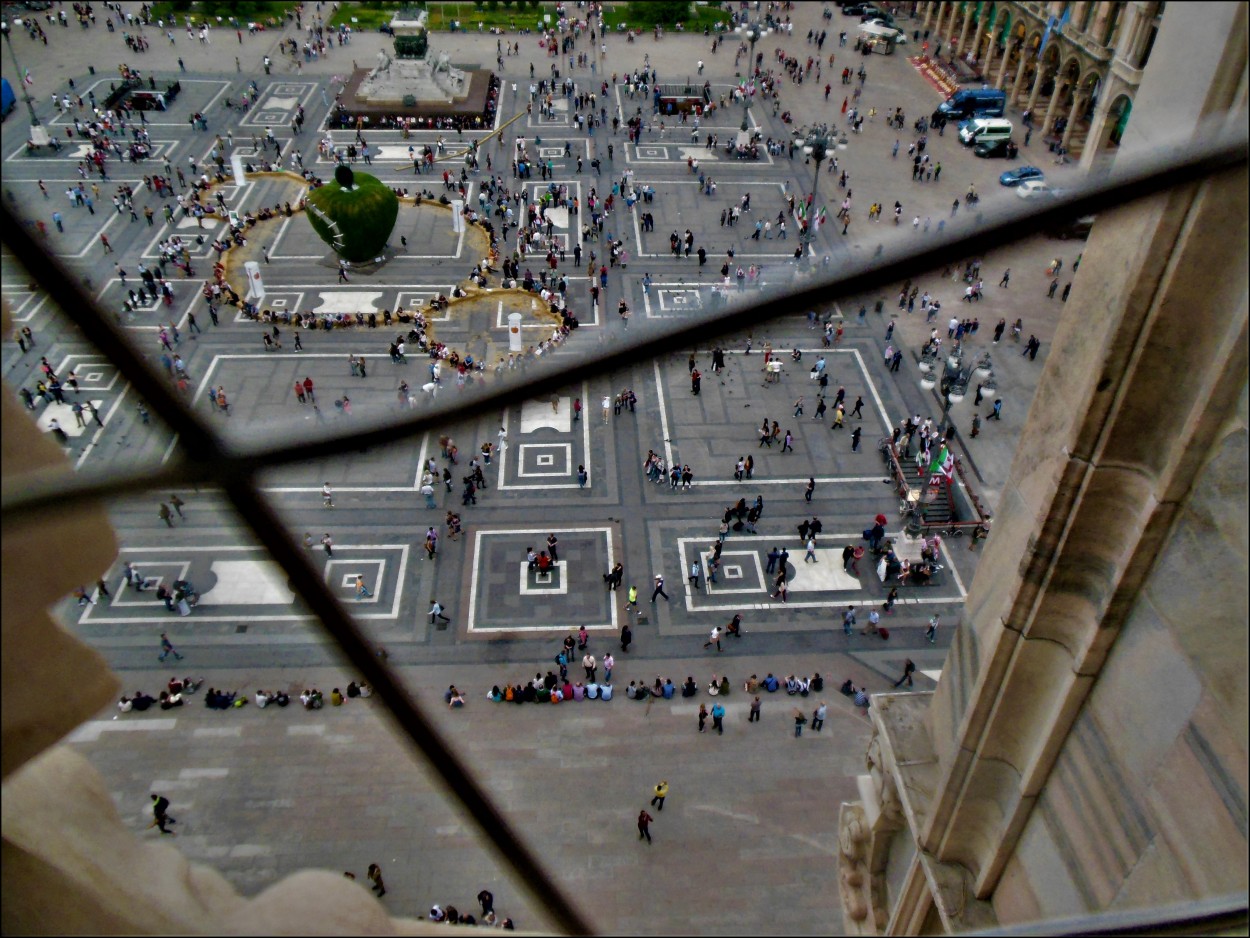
(7, 31)
(753, 33)
(816, 147)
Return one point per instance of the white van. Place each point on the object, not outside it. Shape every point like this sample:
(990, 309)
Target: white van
(985, 130)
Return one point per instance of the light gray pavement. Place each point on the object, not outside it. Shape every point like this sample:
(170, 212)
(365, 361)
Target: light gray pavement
(251, 633)
(746, 840)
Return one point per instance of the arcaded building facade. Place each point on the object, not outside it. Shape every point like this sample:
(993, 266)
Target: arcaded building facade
(1076, 66)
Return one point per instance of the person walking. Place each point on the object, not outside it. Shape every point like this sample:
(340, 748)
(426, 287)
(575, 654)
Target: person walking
(160, 814)
(436, 612)
(361, 590)
(909, 668)
(754, 715)
(931, 632)
(487, 900)
(644, 825)
(167, 649)
(327, 496)
(631, 600)
(608, 664)
(811, 486)
(327, 544)
(375, 877)
(659, 589)
(1006, 277)
(694, 574)
(799, 720)
(810, 556)
(627, 637)
(177, 504)
(166, 515)
(702, 717)
(818, 716)
(997, 412)
(855, 435)
(714, 639)
(660, 792)
(848, 620)
(718, 718)
(890, 600)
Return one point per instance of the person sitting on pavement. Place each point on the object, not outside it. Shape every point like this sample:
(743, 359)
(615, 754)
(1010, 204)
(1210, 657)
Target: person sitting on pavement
(495, 695)
(169, 701)
(861, 699)
(125, 704)
(771, 683)
(632, 690)
(263, 699)
(817, 684)
(336, 698)
(669, 690)
(281, 699)
(141, 701)
(354, 691)
(365, 690)
(792, 685)
(592, 691)
(713, 688)
(456, 699)
(605, 691)
(658, 689)
(752, 684)
(690, 688)
(848, 689)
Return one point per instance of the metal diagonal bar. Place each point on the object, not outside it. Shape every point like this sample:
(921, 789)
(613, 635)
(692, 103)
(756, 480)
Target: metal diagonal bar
(403, 709)
(1180, 165)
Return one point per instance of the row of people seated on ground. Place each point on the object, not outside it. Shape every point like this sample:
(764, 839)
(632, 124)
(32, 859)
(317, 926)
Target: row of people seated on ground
(169, 698)
(313, 699)
(550, 689)
(792, 685)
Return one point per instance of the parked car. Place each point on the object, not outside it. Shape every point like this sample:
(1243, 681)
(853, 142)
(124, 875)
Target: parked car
(871, 12)
(1078, 228)
(882, 29)
(993, 148)
(853, 9)
(1035, 189)
(1021, 174)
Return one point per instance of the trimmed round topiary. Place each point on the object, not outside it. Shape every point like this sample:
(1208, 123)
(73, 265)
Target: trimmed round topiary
(355, 214)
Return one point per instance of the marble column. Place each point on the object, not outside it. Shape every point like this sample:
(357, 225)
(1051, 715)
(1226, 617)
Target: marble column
(963, 34)
(1015, 86)
(976, 37)
(1039, 79)
(928, 14)
(990, 49)
(1078, 104)
(1051, 106)
(1001, 81)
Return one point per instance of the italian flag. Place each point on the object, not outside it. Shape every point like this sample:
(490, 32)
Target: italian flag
(26, 77)
(943, 463)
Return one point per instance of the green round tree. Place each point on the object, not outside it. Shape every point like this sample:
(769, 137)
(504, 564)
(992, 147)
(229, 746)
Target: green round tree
(355, 214)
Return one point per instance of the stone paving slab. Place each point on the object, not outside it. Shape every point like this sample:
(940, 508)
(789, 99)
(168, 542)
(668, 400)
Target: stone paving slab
(749, 823)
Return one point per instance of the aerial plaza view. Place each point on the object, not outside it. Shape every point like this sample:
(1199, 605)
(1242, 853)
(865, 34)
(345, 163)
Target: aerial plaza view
(766, 395)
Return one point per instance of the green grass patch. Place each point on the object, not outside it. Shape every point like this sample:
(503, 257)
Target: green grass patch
(634, 17)
(261, 11)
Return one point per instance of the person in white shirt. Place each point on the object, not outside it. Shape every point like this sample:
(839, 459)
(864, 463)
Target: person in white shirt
(262, 699)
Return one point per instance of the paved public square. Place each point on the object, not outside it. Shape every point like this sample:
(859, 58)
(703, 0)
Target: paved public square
(747, 840)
